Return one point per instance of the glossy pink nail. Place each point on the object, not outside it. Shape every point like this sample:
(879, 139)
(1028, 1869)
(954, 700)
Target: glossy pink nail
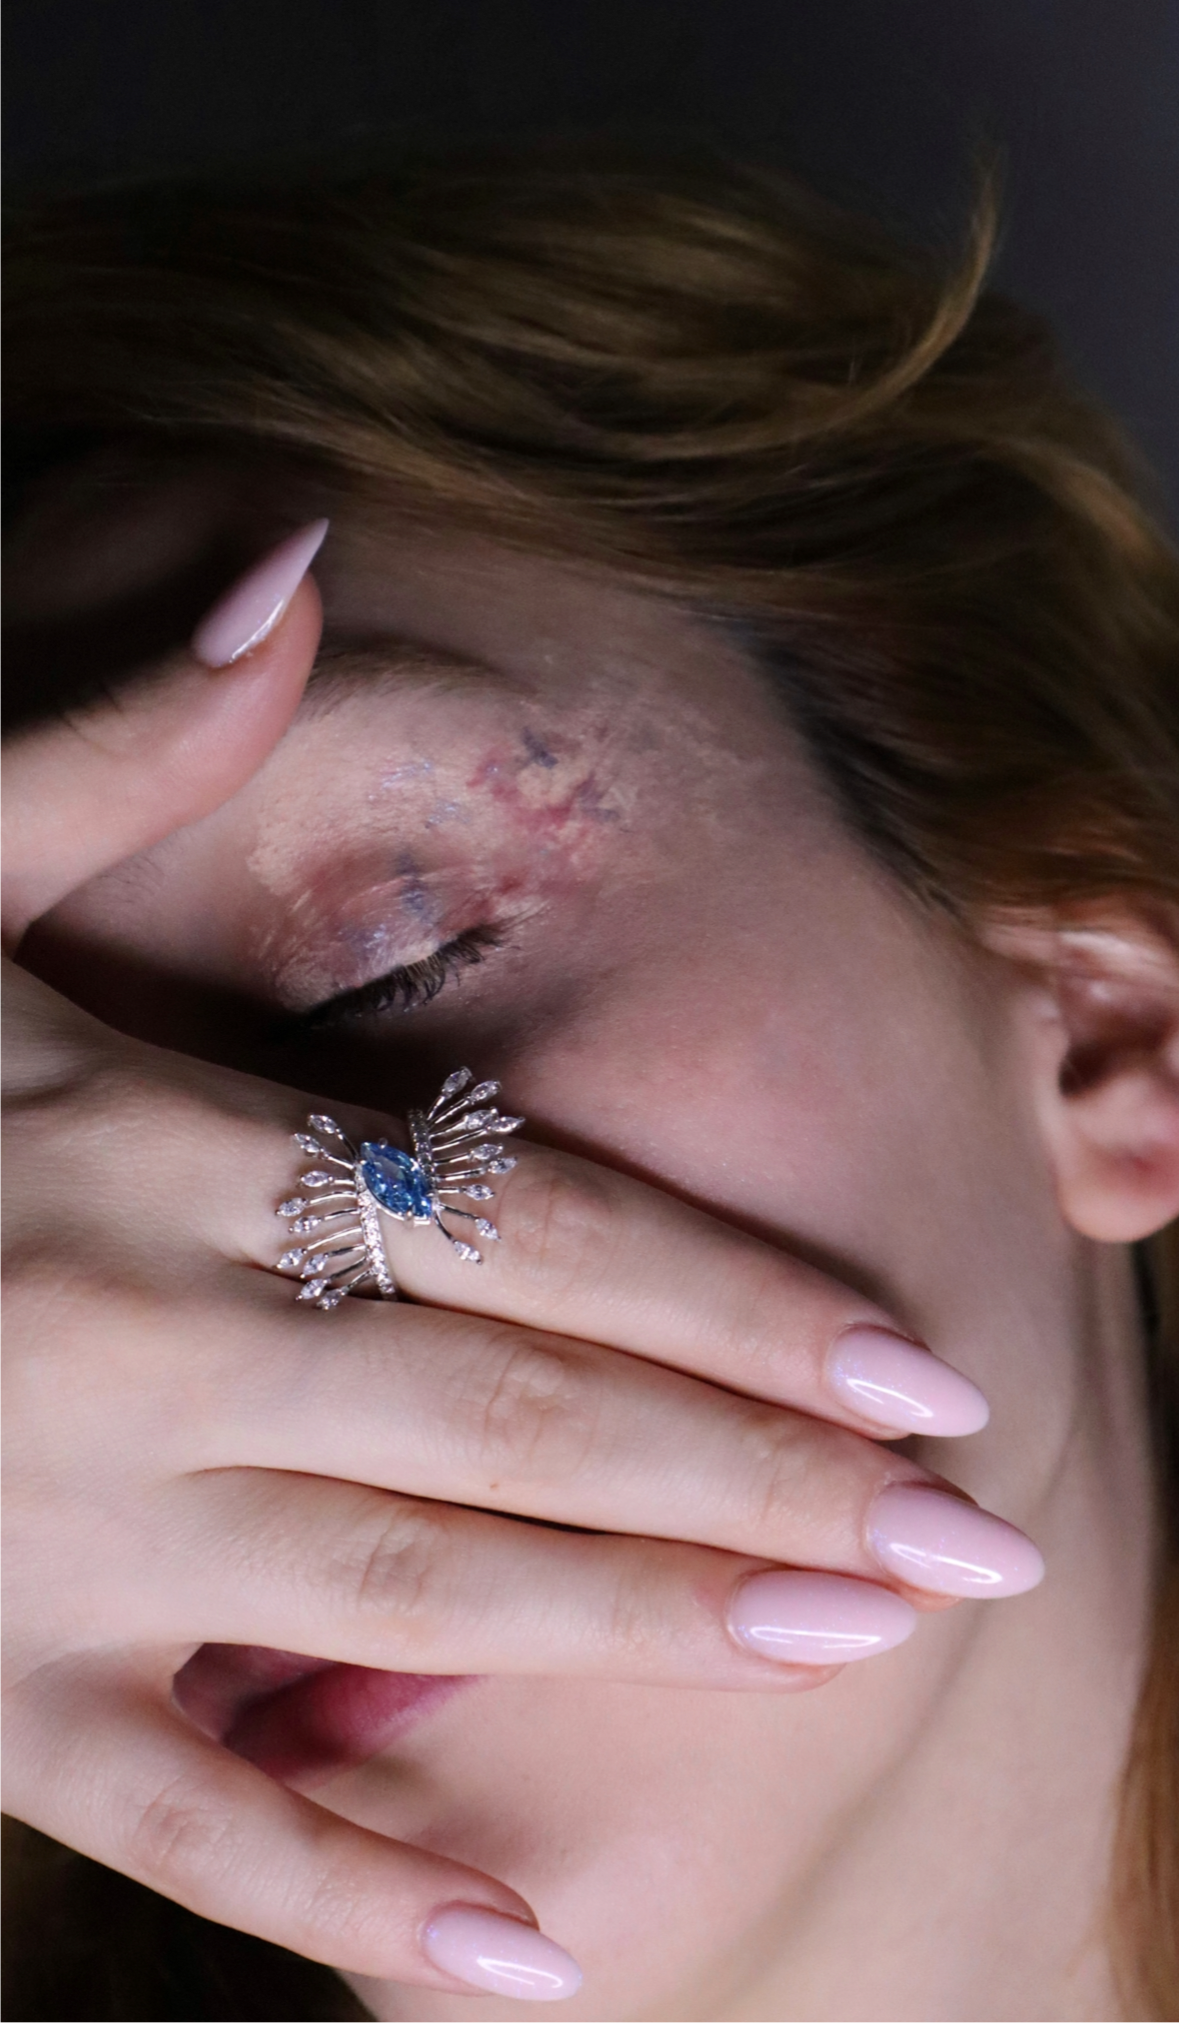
(895, 1383)
(936, 1541)
(250, 610)
(504, 1956)
(817, 1618)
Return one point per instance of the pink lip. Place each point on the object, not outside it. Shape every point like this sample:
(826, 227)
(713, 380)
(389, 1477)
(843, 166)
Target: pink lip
(301, 1719)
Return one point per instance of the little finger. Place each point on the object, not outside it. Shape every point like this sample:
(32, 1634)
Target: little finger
(131, 1783)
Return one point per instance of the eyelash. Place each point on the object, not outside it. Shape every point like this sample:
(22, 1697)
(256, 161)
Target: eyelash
(408, 987)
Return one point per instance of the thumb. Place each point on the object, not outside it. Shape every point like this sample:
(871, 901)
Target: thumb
(97, 785)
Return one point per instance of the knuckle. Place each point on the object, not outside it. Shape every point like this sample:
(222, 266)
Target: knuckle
(90, 1353)
(339, 1908)
(780, 1472)
(103, 1116)
(114, 1092)
(805, 1478)
(127, 1132)
(63, 1308)
(563, 1222)
(50, 1305)
(537, 1416)
(39, 1286)
(121, 1107)
(182, 1839)
(189, 1844)
(88, 1120)
(636, 1625)
(779, 1507)
(758, 1314)
(394, 1564)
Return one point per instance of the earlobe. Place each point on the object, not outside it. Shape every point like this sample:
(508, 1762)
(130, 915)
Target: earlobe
(1105, 1062)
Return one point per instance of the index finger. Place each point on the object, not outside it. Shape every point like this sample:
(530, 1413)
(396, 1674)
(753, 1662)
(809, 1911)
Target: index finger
(94, 786)
(594, 1254)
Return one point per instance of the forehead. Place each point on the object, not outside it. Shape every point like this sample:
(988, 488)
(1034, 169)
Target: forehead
(578, 706)
(121, 554)
(541, 630)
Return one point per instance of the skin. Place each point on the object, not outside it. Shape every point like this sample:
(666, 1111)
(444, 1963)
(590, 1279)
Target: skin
(705, 982)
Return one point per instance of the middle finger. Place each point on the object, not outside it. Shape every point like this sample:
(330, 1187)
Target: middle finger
(475, 1411)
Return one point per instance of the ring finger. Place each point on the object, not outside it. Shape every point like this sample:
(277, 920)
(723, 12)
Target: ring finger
(365, 1577)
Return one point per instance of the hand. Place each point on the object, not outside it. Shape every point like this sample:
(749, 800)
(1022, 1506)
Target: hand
(195, 1459)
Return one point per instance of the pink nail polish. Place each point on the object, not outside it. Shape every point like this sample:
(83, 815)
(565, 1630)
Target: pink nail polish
(895, 1383)
(937, 1542)
(818, 1618)
(487, 1950)
(253, 606)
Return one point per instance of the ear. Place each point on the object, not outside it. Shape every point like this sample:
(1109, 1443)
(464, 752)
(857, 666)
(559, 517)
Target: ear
(1102, 1015)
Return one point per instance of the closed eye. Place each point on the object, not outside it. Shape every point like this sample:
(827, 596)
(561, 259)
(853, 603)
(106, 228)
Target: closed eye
(403, 989)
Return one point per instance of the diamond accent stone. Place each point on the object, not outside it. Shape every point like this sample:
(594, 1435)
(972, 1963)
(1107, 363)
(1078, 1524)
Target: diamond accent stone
(307, 1143)
(291, 1260)
(453, 1084)
(331, 1299)
(467, 1252)
(508, 1123)
(482, 1152)
(317, 1179)
(312, 1289)
(473, 1120)
(326, 1126)
(305, 1225)
(312, 1268)
(486, 1228)
(484, 1092)
(294, 1206)
(502, 1165)
(480, 1193)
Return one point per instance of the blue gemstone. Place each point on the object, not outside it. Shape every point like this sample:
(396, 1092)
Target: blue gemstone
(396, 1180)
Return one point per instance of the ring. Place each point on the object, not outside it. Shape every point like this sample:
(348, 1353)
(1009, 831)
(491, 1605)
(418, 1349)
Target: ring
(347, 1194)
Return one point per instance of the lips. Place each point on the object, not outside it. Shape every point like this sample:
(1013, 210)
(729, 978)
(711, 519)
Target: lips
(302, 1719)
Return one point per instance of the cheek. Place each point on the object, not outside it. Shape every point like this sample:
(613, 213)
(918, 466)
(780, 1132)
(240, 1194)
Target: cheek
(799, 1054)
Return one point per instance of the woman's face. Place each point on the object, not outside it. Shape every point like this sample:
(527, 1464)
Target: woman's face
(677, 958)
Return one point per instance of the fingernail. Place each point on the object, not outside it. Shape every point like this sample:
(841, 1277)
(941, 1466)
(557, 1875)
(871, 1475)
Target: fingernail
(895, 1383)
(938, 1542)
(254, 605)
(488, 1950)
(818, 1618)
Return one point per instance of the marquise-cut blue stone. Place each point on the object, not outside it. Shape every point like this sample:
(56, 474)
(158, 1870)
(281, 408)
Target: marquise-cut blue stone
(396, 1180)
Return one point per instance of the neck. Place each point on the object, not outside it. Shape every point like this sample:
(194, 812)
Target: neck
(974, 1877)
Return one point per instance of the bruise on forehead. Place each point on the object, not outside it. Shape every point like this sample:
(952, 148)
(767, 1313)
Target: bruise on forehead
(494, 781)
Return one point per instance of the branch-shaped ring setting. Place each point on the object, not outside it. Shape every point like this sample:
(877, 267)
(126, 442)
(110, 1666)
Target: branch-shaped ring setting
(455, 1149)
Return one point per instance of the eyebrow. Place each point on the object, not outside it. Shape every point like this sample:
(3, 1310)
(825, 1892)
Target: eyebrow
(392, 663)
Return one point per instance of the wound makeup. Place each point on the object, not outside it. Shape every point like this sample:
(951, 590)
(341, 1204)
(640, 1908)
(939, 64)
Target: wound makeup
(406, 986)
(346, 931)
(475, 841)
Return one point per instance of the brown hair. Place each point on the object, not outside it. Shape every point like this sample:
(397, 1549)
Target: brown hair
(707, 382)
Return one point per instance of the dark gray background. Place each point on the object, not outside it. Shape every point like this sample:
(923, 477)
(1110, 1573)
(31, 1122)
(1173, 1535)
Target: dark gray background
(880, 101)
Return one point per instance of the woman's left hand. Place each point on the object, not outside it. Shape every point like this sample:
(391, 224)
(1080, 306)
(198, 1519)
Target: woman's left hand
(199, 1459)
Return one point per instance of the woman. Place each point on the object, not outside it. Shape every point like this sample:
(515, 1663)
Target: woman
(745, 725)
